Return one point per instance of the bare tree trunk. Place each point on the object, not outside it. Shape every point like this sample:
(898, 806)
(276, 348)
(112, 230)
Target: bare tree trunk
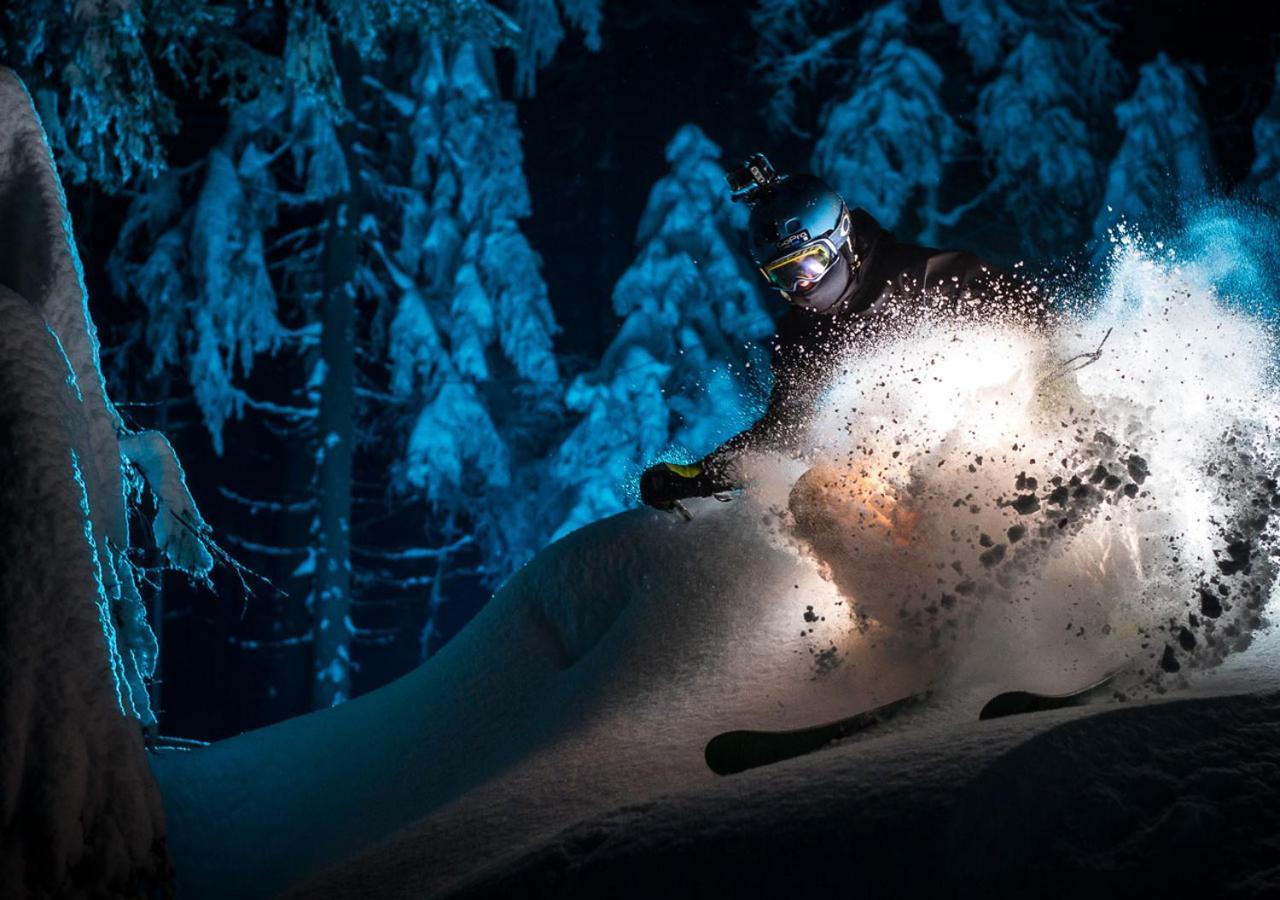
(336, 430)
(437, 598)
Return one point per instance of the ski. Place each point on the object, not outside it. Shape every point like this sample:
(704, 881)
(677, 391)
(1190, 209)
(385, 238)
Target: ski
(736, 751)
(1013, 703)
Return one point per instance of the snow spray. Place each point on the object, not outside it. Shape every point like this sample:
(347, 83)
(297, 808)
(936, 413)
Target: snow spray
(1044, 503)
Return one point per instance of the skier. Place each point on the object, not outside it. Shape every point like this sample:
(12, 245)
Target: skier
(846, 279)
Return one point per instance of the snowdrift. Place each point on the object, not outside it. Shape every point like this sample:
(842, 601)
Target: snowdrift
(1174, 799)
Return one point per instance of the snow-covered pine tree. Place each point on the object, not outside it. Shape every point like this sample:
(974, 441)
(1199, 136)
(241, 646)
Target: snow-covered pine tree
(93, 71)
(468, 146)
(889, 140)
(191, 252)
(798, 44)
(191, 249)
(679, 376)
(1036, 118)
(1164, 162)
(288, 210)
(470, 345)
(203, 252)
(469, 352)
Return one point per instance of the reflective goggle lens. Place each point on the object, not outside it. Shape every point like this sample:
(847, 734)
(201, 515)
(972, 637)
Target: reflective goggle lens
(809, 263)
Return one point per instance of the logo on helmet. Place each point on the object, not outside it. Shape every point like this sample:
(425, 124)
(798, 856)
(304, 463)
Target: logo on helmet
(794, 240)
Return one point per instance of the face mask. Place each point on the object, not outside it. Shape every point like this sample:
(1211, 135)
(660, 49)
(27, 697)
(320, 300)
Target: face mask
(826, 293)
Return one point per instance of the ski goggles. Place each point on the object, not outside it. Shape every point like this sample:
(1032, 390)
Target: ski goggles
(805, 266)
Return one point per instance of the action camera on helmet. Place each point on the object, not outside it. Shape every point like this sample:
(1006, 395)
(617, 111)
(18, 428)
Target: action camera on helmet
(747, 183)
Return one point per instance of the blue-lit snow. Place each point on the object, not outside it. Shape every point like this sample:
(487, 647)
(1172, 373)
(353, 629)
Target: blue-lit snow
(892, 122)
(124, 697)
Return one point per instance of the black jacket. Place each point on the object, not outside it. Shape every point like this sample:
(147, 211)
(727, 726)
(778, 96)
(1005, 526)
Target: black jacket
(897, 284)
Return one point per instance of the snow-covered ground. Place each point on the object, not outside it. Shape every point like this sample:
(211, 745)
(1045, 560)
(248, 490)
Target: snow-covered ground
(1173, 799)
(976, 512)
(619, 803)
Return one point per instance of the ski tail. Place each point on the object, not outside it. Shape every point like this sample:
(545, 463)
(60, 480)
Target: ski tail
(737, 751)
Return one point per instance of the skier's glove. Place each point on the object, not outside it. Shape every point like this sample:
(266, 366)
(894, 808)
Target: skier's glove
(663, 484)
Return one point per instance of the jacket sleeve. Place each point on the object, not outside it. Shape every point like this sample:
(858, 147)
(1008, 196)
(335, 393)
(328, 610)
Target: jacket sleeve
(788, 403)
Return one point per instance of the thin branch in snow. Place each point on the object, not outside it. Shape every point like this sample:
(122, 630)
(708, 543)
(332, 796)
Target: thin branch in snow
(280, 409)
(414, 552)
(392, 602)
(382, 396)
(168, 401)
(366, 576)
(251, 644)
(265, 549)
(256, 506)
(204, 534)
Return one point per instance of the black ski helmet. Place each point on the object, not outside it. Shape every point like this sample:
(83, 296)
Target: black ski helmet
(798, 232)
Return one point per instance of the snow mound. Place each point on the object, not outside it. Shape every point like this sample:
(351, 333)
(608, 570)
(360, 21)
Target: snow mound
(593, 677)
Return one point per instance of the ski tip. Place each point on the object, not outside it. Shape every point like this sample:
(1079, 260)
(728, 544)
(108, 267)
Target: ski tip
(1014, 703)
